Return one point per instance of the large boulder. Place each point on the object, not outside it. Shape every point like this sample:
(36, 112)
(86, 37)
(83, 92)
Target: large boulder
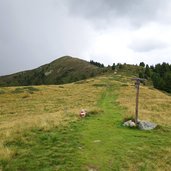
(146, 125)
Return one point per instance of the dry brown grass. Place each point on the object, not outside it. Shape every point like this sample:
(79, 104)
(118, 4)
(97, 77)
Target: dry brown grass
(49, 107)
(154, 105)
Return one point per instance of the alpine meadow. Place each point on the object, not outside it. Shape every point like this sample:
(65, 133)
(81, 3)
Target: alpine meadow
(41, 129)
(85, 85)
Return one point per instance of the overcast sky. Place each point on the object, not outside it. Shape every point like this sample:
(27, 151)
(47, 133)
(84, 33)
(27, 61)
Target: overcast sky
(36, 32)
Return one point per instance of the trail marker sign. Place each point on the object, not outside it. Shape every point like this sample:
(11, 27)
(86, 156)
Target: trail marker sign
(137, 85)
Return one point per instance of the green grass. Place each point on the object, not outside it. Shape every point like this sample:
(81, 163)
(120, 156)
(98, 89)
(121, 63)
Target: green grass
(110, 146)
(39, 150)
(2, 91)
(98, 142)
(25, 89)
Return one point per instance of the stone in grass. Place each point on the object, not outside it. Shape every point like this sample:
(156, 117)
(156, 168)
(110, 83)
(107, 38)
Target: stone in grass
(97, 141)
(129, 123)
(83, 113)
(146, 125)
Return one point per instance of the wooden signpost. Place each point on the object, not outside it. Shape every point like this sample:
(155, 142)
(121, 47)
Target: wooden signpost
(137, 84)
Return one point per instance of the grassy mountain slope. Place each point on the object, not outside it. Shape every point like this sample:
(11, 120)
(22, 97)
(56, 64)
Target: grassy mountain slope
(63, 70)
(40, 128)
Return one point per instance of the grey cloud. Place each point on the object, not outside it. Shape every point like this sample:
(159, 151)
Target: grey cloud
(136, 11)
(35, 32)
(147, 45)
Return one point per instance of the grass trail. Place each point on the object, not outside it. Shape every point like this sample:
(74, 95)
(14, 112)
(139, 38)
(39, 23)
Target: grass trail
(110, 146)
(95, 143)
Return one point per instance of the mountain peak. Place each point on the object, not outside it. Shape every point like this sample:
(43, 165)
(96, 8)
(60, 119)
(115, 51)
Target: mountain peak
(65, 69)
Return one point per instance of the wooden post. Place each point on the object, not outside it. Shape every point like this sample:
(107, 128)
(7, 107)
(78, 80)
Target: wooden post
(137, 84)
(137, 100)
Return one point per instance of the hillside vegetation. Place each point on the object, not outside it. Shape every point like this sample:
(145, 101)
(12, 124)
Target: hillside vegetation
(160, 74)
(40, 128)
(63, 70)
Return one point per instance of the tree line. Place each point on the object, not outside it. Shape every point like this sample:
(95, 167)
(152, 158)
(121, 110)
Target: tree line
(160, 74)
(98, 64)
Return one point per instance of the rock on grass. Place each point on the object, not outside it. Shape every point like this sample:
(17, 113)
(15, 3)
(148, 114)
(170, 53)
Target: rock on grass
(146, 125)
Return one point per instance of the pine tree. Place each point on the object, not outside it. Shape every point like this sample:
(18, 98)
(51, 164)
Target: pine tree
(142, 64)
(147, 72)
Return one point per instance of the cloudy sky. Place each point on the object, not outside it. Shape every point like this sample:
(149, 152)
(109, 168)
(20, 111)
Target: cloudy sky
(35, 32)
